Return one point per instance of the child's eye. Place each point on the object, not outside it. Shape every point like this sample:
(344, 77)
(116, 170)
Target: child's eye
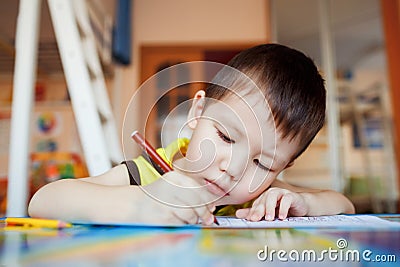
(257, 162)
(225, 138)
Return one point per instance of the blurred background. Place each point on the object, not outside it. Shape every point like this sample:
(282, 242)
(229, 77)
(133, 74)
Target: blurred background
(355, 44)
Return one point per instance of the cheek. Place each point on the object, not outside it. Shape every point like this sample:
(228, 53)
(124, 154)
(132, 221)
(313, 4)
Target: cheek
(200, 155)
(261, 181)
(241, 194)
(248, 189)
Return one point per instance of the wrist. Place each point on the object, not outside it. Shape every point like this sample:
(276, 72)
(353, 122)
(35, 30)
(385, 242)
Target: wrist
(308, 199)
(301, 206)
(326, 202)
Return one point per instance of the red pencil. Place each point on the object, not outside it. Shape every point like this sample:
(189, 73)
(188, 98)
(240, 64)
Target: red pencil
(151, 152)
(149, 149)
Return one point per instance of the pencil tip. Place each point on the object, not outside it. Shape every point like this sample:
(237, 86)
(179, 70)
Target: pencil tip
(62, 224)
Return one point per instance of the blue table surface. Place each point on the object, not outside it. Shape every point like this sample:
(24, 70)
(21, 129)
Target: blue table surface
(140, 246)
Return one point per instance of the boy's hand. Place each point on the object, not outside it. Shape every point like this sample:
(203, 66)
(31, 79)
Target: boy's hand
(176, 198)
(275, 202)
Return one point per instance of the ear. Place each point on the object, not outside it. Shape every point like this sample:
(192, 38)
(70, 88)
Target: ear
(197, 109)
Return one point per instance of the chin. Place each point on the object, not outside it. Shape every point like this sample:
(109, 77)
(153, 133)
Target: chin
(228, 201)
(222, 201)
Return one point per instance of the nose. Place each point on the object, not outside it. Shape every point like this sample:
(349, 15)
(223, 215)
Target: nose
(223, 165)
(233, 163)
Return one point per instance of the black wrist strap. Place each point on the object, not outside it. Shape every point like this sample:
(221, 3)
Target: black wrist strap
(133, 171)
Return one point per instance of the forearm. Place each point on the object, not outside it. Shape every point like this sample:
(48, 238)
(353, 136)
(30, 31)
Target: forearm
(327, 202)
(72, 199)
(115, 176)
(167, 201)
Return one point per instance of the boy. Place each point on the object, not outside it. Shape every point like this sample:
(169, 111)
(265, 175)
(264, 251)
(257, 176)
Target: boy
(244, 134)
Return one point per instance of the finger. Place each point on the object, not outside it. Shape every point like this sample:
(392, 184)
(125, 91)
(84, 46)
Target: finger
(286, 203)
(206, 215)
(200, 215)
(185, 185)
(211, 207)
(176, 216)
(198, 201)
(272, 199)
(259, 201)
(202, 212)
(194, 203)
(186, 215)
(242, 213)
(257, 211)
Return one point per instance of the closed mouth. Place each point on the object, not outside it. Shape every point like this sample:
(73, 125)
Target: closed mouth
(215, 188)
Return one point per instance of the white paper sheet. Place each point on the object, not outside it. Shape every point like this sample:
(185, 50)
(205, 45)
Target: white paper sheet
(311, 222)
(335, 221)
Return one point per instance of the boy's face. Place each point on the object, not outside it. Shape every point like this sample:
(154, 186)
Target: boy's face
(235, 150)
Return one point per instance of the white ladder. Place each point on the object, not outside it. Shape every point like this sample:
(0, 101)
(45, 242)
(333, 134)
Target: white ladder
(86, 86)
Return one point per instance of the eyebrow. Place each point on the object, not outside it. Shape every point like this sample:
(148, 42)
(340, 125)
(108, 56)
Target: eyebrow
(235, 129)
(232, 125)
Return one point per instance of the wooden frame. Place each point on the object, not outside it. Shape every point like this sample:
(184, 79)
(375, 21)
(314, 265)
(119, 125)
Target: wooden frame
(391, 25)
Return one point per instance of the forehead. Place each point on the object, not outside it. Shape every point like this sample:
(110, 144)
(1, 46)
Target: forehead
(249, 111)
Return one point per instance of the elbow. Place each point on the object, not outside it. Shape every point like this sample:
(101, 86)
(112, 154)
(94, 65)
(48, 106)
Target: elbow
(34, 206)
(44, 202)
(352, 209)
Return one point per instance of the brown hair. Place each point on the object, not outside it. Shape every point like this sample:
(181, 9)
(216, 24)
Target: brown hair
(291, 84)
